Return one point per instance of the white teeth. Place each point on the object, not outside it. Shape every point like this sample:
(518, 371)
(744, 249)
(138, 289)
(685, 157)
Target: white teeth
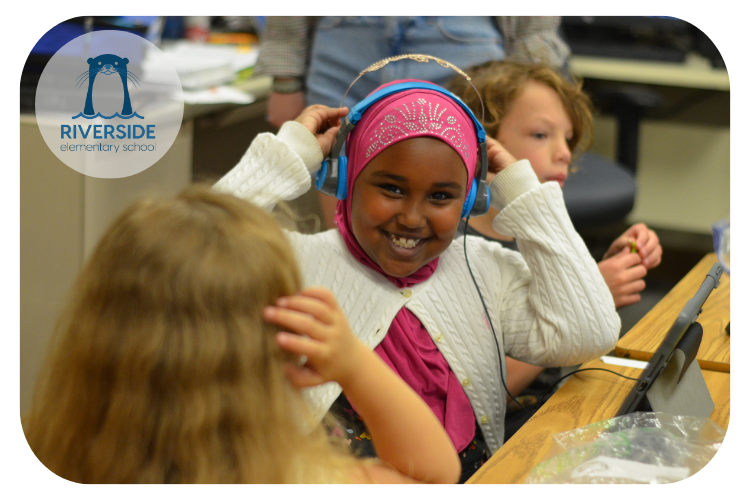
(404, 242)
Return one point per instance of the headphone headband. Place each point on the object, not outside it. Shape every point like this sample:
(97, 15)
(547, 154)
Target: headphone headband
(355, 114)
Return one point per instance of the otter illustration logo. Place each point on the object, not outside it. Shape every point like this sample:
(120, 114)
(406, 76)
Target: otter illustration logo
(108, 64)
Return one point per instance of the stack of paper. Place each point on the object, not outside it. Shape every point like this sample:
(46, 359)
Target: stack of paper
(200, 66)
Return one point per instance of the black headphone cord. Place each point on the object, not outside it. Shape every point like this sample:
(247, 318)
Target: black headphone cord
(497, 345)
(551, 389)
(489, 319)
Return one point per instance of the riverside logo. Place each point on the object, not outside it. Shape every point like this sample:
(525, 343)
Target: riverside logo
(109, 104)
(108, 64)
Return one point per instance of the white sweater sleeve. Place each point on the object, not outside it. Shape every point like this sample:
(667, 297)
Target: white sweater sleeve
(554, 306)
(275, 167)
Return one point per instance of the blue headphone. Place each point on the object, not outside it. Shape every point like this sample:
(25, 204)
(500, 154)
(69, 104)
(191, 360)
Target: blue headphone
(332, 181)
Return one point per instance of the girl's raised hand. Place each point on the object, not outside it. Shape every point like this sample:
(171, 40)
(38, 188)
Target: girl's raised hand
(323, 122)
(319, 331)
(498, 158)
(405, 432)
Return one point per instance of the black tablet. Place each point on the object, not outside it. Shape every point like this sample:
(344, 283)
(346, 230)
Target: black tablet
(661, 357)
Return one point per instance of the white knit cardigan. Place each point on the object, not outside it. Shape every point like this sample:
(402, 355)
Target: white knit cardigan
(548, 304)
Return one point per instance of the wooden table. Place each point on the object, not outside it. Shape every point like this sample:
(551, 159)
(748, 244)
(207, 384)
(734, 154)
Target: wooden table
(587, 397)
(593, 396)
(644, 338)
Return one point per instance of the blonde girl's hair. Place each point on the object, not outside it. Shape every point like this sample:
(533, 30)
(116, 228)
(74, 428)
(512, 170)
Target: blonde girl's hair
(500, 82)
(162, 369)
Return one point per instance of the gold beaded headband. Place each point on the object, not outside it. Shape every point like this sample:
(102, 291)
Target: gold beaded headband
(422, 58)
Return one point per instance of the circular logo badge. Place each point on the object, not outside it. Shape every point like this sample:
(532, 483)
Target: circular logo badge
(109, 104)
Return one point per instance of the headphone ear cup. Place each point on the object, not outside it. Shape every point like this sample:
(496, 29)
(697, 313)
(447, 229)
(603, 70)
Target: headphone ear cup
(470, 199)
(341, 188)
(331, 178)
(481, 201)
(320, 177)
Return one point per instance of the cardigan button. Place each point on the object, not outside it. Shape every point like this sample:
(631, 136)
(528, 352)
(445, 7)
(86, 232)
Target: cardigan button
(465, 382)
(439, 337)
(406, 293)
(484, 419)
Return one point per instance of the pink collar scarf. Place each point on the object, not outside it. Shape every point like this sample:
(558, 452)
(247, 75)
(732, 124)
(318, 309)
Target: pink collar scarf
(404, 115)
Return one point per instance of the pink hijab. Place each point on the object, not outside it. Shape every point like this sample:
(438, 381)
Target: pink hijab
(400, 116)
(408, 348)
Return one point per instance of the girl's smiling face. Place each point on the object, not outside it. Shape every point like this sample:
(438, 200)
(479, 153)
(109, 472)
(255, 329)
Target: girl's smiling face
(406, 204)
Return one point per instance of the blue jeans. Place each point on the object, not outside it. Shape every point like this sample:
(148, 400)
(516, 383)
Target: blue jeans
(344, 46)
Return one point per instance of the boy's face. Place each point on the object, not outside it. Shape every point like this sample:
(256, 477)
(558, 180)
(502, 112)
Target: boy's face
(406, 204)
(537, 128)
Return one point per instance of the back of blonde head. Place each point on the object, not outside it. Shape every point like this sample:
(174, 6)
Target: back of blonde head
(162, 368)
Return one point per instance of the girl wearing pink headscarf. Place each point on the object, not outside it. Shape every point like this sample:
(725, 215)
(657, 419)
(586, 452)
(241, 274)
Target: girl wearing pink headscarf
(405, 284)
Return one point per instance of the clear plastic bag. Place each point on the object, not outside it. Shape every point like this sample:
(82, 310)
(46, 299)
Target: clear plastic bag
(641, 447)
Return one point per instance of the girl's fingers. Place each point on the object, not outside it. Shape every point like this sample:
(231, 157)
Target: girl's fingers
(318, 118)
(324, 114)
(330, 134)
(298, 344)
(322, 294)
(498, 157)
(293, 321)
(327, 139)
(302, 376)
(308, 305)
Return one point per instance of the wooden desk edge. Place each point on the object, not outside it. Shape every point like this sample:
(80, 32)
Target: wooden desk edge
(705, 364)
(629, 345)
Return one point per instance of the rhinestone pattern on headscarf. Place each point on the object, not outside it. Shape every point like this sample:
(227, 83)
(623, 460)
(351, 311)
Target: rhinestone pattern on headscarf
(418, 117)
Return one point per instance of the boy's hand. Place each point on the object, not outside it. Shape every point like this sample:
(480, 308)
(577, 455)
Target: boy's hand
(323, 122)
(624, 275)
(320, 332)
(646, 244)
(498, 158)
